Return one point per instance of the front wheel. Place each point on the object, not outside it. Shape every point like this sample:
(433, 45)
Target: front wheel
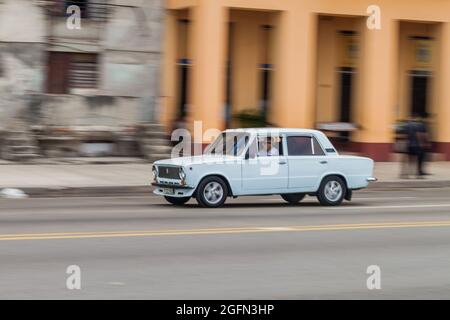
(177, 201)
(332, 191)
(212, 192)
(293, 198)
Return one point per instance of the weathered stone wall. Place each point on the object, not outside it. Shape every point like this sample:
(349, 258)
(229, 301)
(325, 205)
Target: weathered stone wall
(73, 111)
(22, 21)
(21, 81)
(129, 49)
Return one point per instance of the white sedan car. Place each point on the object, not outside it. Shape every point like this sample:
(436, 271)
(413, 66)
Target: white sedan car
(292, 163)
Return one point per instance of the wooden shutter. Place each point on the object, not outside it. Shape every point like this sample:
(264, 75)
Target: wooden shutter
(58, 72)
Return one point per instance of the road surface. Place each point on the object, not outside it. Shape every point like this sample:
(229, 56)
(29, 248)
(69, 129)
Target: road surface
(253, 248)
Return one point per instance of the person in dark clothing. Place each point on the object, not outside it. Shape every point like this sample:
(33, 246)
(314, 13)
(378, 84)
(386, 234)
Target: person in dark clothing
(425, 145)
(418, 143)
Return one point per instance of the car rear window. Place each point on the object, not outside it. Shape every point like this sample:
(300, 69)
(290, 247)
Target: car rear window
(304, 146)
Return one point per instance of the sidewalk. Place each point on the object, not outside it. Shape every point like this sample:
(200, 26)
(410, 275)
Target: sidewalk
(134, 177)
(388, 174)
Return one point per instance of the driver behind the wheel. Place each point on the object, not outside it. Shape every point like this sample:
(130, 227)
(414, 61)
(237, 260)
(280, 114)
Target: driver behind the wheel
(268, 149)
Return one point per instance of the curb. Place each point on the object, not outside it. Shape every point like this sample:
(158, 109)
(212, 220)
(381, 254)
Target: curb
(121, 191)
(409, 184)
(116, 191)
(75, 161)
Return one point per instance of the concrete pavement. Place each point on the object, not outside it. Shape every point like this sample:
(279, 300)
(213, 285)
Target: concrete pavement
(115, 178)
(253, 248)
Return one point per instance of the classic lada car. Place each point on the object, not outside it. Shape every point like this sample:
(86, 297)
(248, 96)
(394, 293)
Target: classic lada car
(291, 163)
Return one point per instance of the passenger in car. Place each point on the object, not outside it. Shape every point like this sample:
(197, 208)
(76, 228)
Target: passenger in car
(267, 149)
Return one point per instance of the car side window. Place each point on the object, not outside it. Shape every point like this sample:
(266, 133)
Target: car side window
(299, 146)
(270, 146)
(304, 146)
(318, 151)
(252, 150)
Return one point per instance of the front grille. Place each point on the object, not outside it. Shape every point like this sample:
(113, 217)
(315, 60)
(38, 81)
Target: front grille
(168, 172)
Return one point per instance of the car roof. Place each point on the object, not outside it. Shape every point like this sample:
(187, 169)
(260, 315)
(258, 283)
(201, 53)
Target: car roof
(275, 130)
(321, 137)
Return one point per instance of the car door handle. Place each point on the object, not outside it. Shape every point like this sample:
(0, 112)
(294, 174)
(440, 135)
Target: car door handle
(323, 162)
(282, 162)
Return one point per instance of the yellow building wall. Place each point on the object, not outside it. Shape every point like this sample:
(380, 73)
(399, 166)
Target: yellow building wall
(442, 119)
(208, 44)
(248, 53)
(176, 47)
(327, 57)
(299, 85)
(169, 78)
(407, 63)
(331, 56)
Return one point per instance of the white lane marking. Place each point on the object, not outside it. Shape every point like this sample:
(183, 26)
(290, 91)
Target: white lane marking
(384, 198)
(75, 197)
(116, 283)
(443, 205)
(275, 200)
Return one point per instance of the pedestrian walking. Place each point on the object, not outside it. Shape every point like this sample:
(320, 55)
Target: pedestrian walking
(401, 147)
(418, 144)
(424, 145)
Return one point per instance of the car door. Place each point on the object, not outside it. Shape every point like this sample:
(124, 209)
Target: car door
(307, 162)
(263, 172)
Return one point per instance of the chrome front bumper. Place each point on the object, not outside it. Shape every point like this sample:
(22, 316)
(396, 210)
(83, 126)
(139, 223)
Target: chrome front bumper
(172, 190)
(174, 186)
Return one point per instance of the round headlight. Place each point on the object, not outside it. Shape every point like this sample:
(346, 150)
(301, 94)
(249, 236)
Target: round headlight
(155, 171)
(182, 174)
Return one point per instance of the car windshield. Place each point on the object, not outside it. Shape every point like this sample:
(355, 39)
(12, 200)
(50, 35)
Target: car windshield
(229, 144)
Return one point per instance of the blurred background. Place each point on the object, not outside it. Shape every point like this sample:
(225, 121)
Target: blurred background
(138, 69)
(83, 112)
(78, 92)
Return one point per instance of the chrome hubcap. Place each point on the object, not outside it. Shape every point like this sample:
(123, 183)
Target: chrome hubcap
(333, 191)
(213, 192)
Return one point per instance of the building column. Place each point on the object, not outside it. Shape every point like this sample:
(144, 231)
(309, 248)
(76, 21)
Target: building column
(443, 107)
(208, 46)
(376, 105)
(169, 70)
(294, 69)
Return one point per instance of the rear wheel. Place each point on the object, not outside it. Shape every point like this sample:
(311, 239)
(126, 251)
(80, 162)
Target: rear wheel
(293, 198)
(177, 201)
(212, 192)
(332, 191)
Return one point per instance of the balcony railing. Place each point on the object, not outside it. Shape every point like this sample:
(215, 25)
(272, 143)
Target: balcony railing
(95, 10)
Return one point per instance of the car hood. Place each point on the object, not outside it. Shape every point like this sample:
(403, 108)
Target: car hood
(196, 160)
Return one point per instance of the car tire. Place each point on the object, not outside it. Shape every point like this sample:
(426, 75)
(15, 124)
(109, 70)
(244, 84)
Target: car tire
(212, 192)
(293, 198)
(332, 191)
(177, 201)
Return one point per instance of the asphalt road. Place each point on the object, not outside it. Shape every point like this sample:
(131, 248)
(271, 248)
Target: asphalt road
(253, 248)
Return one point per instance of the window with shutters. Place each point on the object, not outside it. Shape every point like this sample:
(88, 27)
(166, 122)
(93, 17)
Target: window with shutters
(83, 71)
(68, 71)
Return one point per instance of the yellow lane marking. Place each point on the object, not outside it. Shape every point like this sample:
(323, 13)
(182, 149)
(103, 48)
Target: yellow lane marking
(210, 231)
